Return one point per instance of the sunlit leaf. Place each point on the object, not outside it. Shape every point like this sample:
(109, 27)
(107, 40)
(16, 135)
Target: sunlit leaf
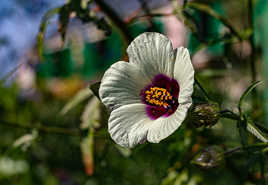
(78, 98)
(171, 177)
(91, 115)
(246, 93)
(26, 140)
(257, 132)
(246, 33)
(84, 3)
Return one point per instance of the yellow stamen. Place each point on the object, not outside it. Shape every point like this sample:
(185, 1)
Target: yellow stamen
(157, 96)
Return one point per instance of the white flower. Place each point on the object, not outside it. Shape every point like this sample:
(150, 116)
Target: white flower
(148, 96)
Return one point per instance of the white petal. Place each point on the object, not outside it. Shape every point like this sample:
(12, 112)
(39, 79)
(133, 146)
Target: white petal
(128, 125)
(163, 127)
(184, 74)
(121, 85)
(152, 53)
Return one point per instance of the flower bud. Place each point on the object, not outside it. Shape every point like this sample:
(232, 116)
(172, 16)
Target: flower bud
(210, 157)
(206, 114)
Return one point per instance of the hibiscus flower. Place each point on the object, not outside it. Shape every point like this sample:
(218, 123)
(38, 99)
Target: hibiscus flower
(149, 96)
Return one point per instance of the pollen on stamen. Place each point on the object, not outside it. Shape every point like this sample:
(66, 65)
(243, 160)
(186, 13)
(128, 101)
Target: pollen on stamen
(158, 96)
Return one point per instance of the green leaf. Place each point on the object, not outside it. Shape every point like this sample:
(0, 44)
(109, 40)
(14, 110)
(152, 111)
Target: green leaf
(189, 21)
(87, 150)
(256, 132)
(78, 98)
(45, 20)
(246, 93)
(95, 89)
(126, 152)
(245, 34)
(25, 141)
(209, 11)
(91, 116)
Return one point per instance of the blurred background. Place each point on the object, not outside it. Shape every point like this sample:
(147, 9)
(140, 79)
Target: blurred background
(54, 130)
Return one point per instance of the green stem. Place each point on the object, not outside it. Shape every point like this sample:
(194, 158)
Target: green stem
(229, 114)
(240, 149)
(149, 15)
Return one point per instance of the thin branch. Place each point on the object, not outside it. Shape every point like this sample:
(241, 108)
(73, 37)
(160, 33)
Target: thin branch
(240, 149)
(149, 15)
(42, 128)
(10, 73)
(229, 114)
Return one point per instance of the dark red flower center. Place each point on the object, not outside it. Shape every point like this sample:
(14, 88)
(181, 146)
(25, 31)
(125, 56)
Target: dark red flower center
(161, 96)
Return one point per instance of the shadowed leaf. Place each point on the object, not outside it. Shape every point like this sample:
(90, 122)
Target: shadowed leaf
(95, 89)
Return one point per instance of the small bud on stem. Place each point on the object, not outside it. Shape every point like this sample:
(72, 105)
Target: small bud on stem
(206, 114)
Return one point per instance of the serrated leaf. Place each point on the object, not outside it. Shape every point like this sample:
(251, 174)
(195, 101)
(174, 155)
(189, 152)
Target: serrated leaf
(78, 98)
(256, 132)
(95, 89)
(246, 93)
